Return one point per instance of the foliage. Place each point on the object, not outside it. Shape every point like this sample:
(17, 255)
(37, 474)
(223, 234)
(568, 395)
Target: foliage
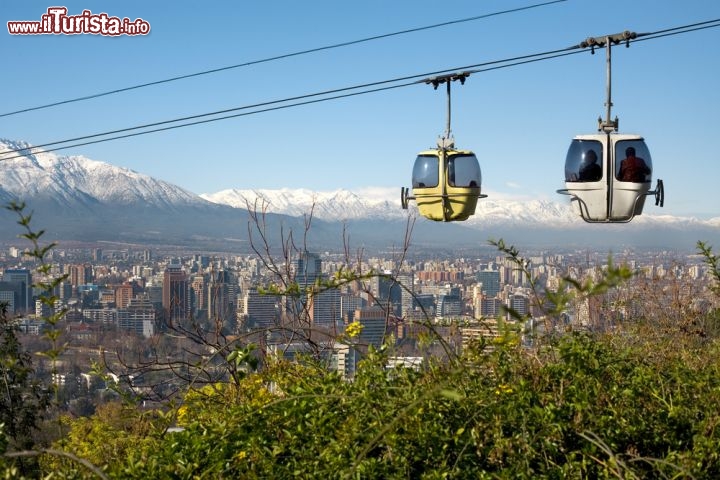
(116, 431)
(713, 263)
(590, 407)
(48, 283)
(23, 400)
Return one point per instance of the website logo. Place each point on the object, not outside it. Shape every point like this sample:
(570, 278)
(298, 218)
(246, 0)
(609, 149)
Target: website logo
(57, 22)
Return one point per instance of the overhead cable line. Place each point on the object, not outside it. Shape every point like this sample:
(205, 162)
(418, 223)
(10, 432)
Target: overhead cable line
(678, 30)
(690, 28)
(477, 68)
(208, 120)
(519, 60)
(279, 57)
(243, 114)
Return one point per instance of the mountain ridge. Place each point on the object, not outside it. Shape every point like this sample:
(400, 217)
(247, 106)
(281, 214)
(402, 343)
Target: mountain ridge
(342, 204)
(77, 198)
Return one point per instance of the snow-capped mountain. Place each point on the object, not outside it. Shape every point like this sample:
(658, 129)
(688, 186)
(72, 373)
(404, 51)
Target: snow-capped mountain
(70, 179)
(384, 203)
(337, 205)
(76, 198)
(539, 222)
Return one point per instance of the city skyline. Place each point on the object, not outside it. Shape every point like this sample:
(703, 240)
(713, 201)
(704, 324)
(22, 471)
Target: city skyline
(128, 290)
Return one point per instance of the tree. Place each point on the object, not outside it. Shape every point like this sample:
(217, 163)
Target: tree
(23, 401)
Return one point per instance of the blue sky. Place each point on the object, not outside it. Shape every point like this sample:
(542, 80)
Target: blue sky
(518, 120)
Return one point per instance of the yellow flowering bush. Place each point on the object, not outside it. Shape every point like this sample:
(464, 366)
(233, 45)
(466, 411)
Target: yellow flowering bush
(354, 329)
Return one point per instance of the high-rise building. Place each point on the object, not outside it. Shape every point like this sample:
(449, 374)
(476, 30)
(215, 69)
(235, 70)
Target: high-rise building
(308, 268)
(449, 306)
(323, 307)
(42, 309)
(199, 292)
(345, 359)
(202, 261)
(7, 297)
(349, 302)
(488, 307)
(107, 297)
(263, 311)
(22, 279)
(405, 285)
(519, 303)
(222, 298)
(123, 295)
(387, 290)
(79, 274)
(490, 280)
(176, 294)
(155, 295)
(11, 294)
(374, 322)
(65, 290)
(424, 305)
(138, 316)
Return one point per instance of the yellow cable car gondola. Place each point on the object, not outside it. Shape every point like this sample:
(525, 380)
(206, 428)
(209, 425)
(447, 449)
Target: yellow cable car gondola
(446, 184)
(446, 181)
(609, 174)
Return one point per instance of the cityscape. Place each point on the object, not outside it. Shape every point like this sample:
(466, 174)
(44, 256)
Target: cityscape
(123, 304)
(155, 288)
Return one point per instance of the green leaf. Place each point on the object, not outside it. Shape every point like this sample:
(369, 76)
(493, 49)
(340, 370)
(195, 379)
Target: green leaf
(451, 395)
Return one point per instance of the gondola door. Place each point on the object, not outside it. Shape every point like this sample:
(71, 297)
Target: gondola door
(631, 176)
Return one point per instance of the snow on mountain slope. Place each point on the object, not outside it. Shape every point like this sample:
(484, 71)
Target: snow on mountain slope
(333, 205)
(76, 178)
(384, 203)
(70, 181)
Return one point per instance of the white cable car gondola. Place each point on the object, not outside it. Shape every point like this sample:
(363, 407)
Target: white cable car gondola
(446, 181)
(607, 174)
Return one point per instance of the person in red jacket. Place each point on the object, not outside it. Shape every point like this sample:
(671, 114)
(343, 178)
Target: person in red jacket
(633, 169)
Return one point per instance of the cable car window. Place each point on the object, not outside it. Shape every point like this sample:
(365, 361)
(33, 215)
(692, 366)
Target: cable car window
(632, 161)
(425, 172)
(463, 171)
(583, 162)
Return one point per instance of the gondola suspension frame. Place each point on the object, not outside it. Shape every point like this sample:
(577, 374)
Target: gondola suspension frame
(445, 143)
(609, 126)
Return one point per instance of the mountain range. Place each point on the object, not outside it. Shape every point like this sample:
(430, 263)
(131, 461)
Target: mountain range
(76, 198)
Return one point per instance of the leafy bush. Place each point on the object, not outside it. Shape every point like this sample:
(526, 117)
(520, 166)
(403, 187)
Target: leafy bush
(583, 407)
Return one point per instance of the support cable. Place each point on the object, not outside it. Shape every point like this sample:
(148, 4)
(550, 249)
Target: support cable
(334, 94)
(278, 57)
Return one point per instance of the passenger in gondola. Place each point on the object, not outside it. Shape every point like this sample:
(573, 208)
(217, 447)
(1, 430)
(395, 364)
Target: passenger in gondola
(590, 170)
(633, 169)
